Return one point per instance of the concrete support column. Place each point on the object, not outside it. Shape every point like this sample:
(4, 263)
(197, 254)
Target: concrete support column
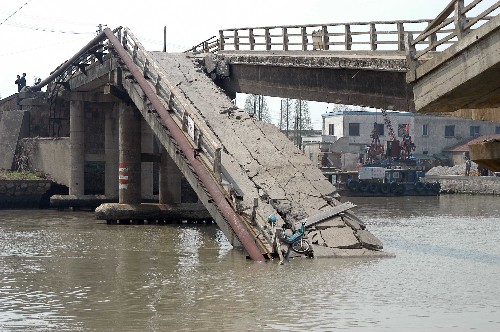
(147, 167)
(170, 180)
(77, 147)
(111, 152)
(130, 155)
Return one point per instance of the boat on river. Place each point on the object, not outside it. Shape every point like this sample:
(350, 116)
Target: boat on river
(382, 182)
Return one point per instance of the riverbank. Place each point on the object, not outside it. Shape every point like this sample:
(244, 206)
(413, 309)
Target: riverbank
(472, 185)
(22, 190)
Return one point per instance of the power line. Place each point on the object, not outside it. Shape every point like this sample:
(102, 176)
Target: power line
(41, 47)
(33, 27)
(14, 13)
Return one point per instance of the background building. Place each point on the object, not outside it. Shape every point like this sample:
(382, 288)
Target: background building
(431, 134)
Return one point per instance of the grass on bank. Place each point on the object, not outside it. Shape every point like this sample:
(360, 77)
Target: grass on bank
(14, 175)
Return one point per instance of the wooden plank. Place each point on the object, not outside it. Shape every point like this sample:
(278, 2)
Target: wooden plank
(313, 220)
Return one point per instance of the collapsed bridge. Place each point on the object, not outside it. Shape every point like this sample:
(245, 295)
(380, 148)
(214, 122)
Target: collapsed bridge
(242, 170)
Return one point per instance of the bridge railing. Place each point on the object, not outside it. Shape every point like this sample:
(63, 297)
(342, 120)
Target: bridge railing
(201, 137)
(451, 25)
(376, 35)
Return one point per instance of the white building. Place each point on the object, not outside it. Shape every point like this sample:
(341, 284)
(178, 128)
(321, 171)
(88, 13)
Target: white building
(431, 134)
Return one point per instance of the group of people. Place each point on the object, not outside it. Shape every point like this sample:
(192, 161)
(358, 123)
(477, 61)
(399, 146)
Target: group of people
(21, 82)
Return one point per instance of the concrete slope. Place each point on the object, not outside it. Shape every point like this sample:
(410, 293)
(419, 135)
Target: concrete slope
(264, 165)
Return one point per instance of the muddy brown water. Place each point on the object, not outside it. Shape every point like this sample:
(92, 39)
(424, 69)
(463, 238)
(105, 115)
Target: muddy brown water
(65, 271)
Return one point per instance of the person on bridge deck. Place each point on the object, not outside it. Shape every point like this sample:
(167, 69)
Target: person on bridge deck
(18, 83)
(21, 82)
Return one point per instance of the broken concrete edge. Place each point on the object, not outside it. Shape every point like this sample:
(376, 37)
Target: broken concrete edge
(326, 252)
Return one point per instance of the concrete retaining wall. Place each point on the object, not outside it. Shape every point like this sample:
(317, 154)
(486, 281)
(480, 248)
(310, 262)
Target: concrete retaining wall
(13, 126)
(51, 156)
(484, 185)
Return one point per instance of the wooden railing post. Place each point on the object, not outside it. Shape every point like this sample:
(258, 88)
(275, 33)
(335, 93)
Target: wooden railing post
(304, 38)
(410, 56)
(348, 37)
(119, 35)
(401, 36)
(326, 39)
(285, 39)
(373, 37)
(432, 41)
(217, 164)
(268, 39)
(236, 41)
(459, 18)
(251, 39)
(124, 39)
(221, 40)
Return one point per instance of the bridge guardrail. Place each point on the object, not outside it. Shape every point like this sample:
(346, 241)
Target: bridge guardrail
(375, 35)
(204, 142)
(451, 25)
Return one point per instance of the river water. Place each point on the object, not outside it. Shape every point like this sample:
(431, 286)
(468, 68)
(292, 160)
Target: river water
(65, 271)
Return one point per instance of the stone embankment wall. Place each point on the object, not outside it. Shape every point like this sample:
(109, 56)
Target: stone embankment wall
(457, 184)
(16, 194)
(454, 181)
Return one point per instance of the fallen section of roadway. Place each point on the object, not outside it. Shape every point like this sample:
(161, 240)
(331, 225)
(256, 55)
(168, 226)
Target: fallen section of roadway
(266, 166)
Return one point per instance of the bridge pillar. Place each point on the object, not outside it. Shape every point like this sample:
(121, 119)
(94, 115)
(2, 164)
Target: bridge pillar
(130, 155)
(111, 152)
(77, 147)
(146, 167)
(170, 180)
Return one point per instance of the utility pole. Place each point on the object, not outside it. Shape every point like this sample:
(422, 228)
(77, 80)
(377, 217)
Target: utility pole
(165, 38)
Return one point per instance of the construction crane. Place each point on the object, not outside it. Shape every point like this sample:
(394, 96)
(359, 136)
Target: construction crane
(394, 149)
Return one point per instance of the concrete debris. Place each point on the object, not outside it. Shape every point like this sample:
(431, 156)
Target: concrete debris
(336, 237)
(368, 240)
(216, 65)
(264, 163)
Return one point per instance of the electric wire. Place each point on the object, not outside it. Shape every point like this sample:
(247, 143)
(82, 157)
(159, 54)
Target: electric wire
(14, 13)
(36, 28)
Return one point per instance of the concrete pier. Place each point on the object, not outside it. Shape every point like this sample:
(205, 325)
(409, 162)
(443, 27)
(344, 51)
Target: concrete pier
(146, 167)
(170, 180)
(77, 148)
(130, 155)
(111, 152)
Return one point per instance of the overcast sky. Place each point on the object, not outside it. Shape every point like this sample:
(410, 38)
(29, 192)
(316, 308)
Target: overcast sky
(39, 35)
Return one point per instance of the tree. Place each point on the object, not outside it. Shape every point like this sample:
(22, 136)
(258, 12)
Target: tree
(287, 116)
(257, 105)
(302, 120)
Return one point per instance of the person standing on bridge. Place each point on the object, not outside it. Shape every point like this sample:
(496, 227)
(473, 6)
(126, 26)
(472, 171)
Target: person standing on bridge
(18, 83)
(21, 82)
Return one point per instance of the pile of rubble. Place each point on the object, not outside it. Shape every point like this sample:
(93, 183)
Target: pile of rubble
(454, 170)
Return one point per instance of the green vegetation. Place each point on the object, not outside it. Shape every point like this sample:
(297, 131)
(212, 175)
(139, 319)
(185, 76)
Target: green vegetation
(12, 175)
